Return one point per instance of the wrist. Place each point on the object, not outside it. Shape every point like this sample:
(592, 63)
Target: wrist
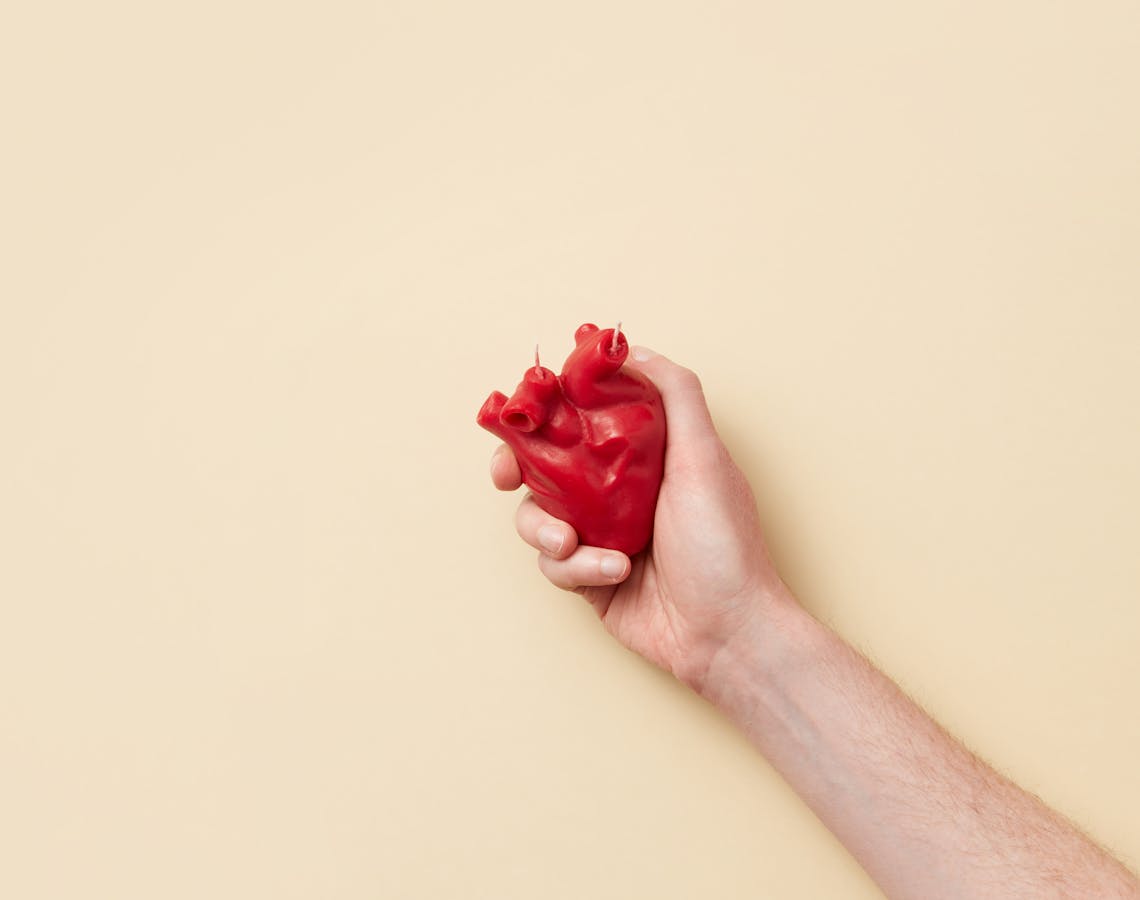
(747, 669)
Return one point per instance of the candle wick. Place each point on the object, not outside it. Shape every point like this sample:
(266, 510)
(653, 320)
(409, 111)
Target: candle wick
(617, 332)
(536, 362)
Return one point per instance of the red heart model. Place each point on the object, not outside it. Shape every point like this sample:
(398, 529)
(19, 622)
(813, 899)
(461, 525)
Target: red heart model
(590, 442)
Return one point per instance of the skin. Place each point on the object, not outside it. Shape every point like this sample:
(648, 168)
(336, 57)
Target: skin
(924, 816)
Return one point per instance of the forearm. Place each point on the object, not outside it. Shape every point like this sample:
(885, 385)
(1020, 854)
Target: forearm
(920, 813)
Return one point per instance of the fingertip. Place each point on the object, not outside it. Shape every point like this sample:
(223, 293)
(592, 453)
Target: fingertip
(551, 536)
(661, 370)
(558, 539)
(615, 566)
(586, 567)
(505, 472)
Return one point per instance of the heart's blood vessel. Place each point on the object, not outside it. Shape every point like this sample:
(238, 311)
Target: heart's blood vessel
(590, 442)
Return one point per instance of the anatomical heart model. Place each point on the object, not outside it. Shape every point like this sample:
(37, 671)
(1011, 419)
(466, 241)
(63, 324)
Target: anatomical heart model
(590, 442)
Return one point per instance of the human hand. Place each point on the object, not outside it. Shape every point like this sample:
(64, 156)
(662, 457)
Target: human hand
(705, 579)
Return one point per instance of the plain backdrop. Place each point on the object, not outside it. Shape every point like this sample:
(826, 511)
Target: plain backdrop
(266, 630)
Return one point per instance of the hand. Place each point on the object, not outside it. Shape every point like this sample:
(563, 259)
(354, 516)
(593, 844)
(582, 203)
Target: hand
(705, 578)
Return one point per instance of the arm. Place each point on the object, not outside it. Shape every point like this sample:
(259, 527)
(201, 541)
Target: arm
(922, 815)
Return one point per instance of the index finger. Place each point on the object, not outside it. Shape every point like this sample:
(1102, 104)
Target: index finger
(505, 471)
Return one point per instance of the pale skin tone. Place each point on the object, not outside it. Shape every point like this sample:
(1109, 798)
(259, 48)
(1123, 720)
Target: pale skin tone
(925, 817)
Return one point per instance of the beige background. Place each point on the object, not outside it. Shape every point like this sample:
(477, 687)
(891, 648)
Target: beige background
(267, 631)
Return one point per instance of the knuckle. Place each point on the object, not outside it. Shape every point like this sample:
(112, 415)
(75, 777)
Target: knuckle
(524, 519)
(554, 572)
(687, 379)
(711, 452)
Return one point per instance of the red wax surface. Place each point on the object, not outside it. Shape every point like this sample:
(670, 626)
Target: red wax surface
(590, 442)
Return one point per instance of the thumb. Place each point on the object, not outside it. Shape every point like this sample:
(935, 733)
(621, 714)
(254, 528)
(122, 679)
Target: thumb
(686, 411)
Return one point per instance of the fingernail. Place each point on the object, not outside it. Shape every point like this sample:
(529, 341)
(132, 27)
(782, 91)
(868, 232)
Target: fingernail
(613, 566)
(551, 537)
(641, 354)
